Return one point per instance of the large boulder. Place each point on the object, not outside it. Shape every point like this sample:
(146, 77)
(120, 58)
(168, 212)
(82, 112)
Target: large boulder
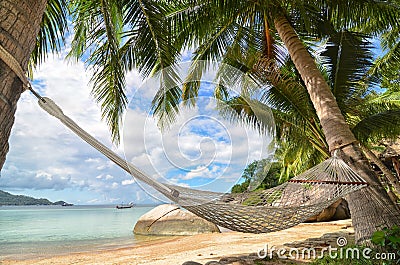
(169, 219)
(337, 211)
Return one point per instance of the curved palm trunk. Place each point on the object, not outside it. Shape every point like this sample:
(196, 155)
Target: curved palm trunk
(19, 26)
(371, 208)
(396, 165)
(386, 172)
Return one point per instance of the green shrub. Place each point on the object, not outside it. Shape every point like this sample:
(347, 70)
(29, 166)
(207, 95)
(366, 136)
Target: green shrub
(388, 240)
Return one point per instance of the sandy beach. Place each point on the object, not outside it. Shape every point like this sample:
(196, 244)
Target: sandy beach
(201, 248)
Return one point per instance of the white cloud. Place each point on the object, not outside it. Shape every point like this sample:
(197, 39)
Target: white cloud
(109, 177)
(202, 172)
(127, 182)
(93, 201)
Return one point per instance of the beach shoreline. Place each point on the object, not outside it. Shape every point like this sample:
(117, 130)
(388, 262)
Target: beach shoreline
(200, 248)
(88, 248)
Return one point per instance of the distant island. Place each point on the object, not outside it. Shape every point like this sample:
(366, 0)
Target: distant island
(18, 200)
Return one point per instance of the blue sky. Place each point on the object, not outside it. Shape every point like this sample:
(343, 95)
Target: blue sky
(200, 150)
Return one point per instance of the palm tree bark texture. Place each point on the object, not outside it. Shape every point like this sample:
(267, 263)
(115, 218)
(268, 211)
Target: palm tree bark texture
(371, 208)
(19, 25)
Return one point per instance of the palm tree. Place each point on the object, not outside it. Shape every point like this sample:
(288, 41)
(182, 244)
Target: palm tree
(345, 63)
(381, 211)
(250, 25)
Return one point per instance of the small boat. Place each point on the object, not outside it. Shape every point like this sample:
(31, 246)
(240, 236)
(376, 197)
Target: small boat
(67, 204)
(124, 206)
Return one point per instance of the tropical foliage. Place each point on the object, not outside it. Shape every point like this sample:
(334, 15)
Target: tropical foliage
(271, 179)
(389, 240)
(117, 36)
(52, 32)
(112, 37)
(345, 61)
(244, 37)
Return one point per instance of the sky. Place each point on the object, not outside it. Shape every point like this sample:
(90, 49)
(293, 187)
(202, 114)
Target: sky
(200, 150)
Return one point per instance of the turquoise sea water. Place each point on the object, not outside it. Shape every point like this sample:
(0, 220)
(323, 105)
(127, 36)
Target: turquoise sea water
(34, 231)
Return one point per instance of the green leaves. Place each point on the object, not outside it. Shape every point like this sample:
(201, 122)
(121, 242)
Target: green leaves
(152, 46)
(347, 58)
(98, 36)
(384, 125)
(115, 37)
(52, 32)
(347, 61)
(389, 240)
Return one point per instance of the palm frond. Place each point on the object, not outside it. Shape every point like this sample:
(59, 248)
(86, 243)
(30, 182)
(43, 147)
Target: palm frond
(52, 31)
(98, 32)
(373, 17)
(249, 112)
(227, 32)
(152, 47)
(151, 35)
(115, 37)
(166, 102)
(347, 57)
(297, 156)
(391, 60)
(379, 126)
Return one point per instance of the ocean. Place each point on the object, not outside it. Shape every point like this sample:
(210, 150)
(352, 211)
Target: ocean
(40, 231)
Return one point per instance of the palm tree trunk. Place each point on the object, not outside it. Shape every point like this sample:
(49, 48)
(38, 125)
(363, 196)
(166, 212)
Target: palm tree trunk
(386, 172)
(396, 165)
(19, 26)
(371, 208)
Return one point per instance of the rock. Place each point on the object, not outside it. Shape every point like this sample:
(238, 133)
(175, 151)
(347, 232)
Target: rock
(191, 263)
(243, 260)
(342, 211)
(169, 219)
(326, 240)
(228, 260)
(213, 262)
(337, 211)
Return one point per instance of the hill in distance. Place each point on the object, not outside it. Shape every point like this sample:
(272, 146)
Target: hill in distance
(11, 199)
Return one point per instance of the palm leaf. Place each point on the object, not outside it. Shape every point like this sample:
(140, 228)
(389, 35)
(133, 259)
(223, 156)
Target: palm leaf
(388, 62)
(252, 113)
(98, 30)
(371, 16)
(347, 58)
(52, 31)
(152, 47)
(379, 126)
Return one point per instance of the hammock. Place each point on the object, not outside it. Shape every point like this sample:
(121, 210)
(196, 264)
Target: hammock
(263, 211)
(258, 212)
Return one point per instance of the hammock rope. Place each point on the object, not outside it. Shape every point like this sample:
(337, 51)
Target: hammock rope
(263, 211)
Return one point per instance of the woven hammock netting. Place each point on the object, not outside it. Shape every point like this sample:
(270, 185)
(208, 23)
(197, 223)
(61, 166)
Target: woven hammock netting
(263, 211)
